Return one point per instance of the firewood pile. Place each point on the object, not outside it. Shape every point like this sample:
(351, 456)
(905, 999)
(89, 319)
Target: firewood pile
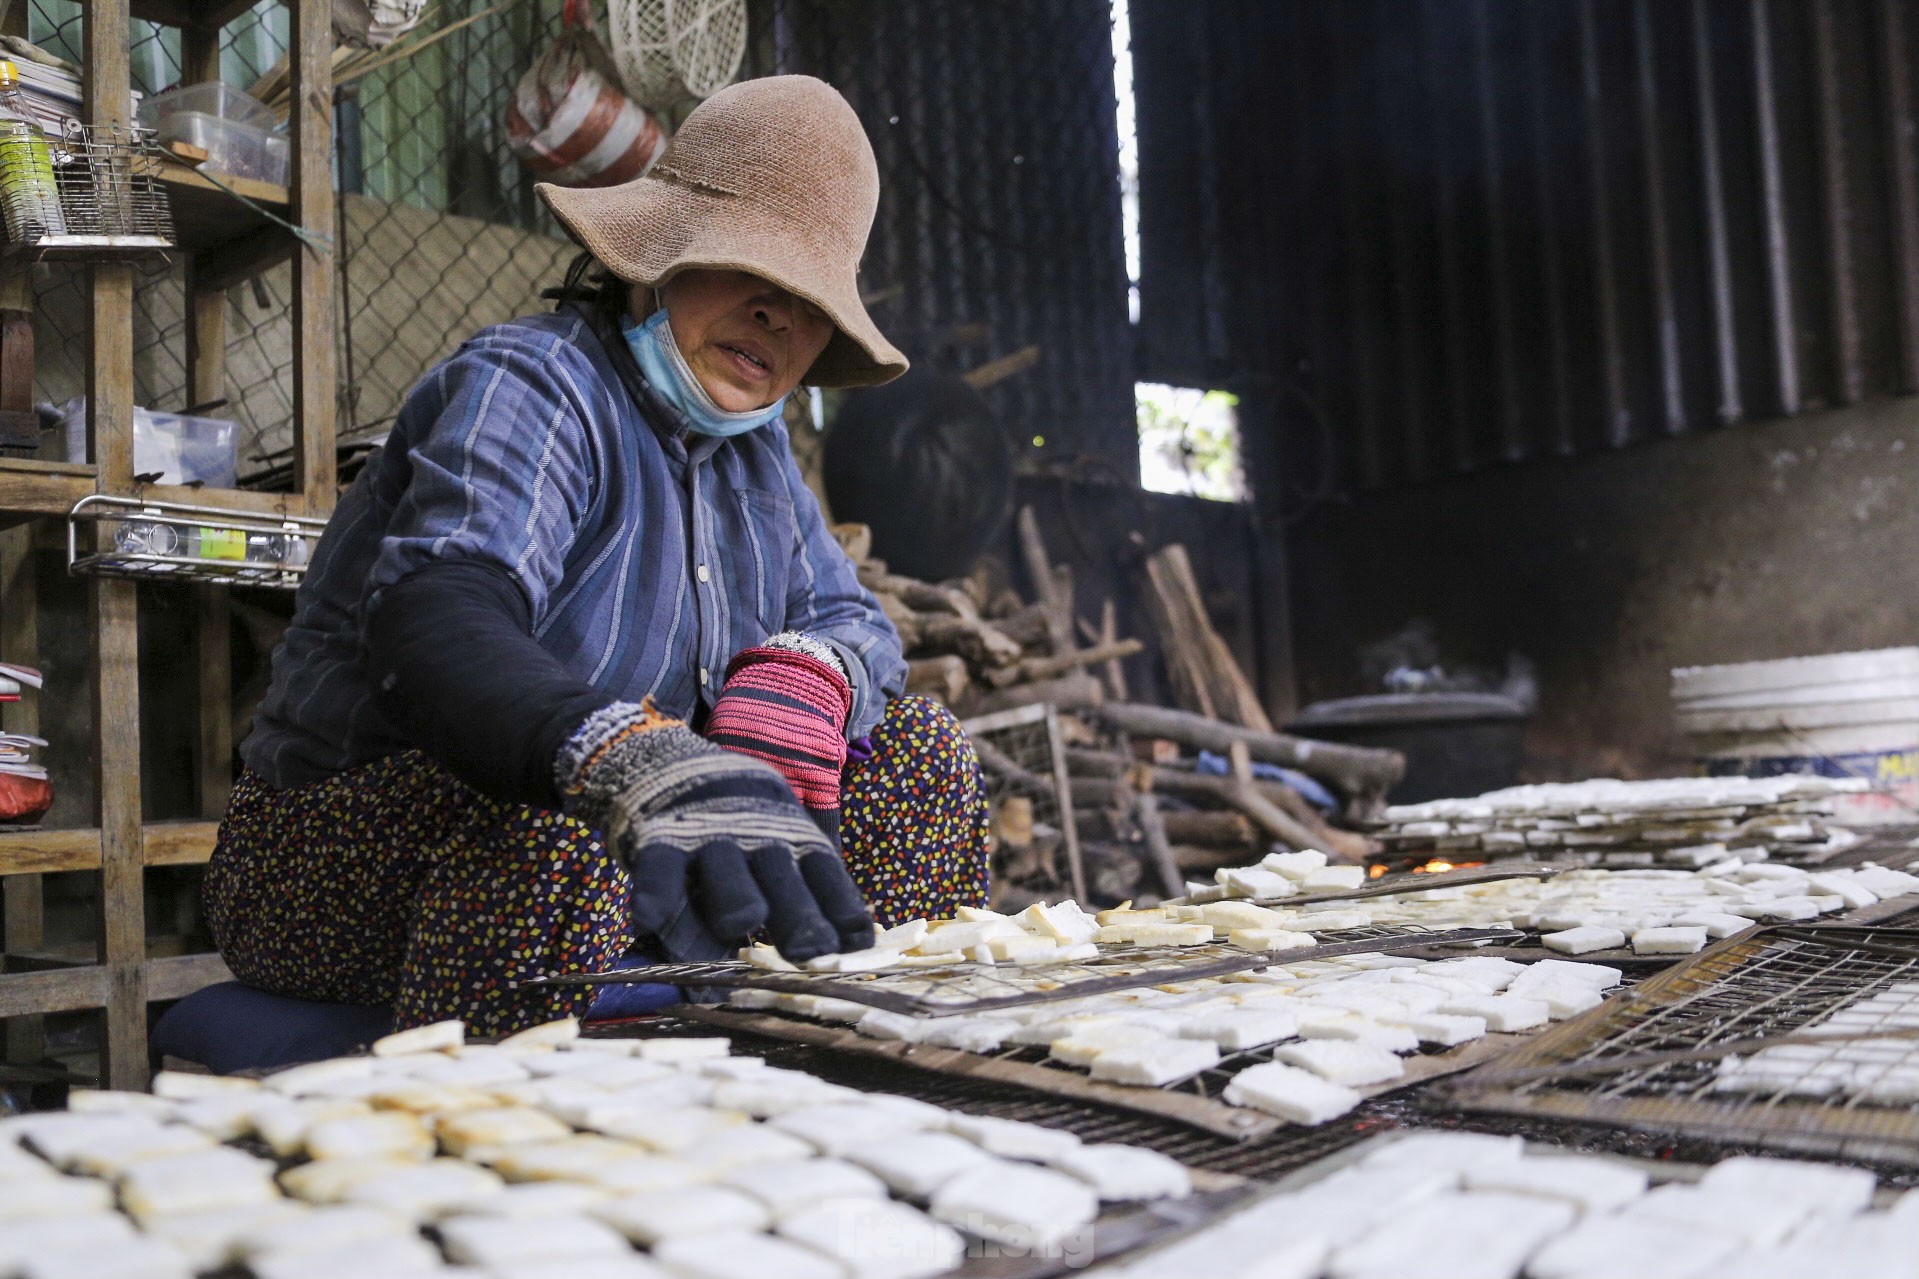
(1144, 813)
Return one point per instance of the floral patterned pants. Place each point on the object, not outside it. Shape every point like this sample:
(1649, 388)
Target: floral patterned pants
(396, 883)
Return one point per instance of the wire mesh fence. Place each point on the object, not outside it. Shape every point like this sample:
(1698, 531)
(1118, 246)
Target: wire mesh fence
(999, 226)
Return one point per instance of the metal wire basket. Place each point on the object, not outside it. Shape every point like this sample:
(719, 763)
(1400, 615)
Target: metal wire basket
(172, 542)
(78, 193)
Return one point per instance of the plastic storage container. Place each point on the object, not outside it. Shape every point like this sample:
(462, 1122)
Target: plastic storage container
(235, 149)
(181, 449)
(1833, 715)
(214, 98)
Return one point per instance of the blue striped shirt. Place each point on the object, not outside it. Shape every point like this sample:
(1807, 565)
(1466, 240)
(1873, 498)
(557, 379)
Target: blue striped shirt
(648, 556)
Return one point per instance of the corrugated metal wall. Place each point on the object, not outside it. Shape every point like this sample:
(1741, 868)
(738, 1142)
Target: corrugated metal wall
(993, 122)
(1455, 233)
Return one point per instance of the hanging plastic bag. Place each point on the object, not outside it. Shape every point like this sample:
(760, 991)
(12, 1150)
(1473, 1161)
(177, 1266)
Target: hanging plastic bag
(569, 120)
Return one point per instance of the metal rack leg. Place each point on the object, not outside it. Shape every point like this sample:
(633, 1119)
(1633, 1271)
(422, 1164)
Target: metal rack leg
(19, 642)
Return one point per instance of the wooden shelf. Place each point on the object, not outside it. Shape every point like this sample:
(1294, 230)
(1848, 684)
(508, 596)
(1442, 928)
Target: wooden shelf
(230, 239)
(60, 990)
(206, 14)
(32, 490)
(41, 852)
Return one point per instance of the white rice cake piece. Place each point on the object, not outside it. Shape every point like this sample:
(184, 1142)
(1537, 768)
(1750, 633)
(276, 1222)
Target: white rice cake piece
(791, 1184)
(631, 1266)
(1445, 1152)
(902, 936)
(876, 1239)
(1885, 882)
(1260, 940)
(1608, 1246)
(490, 1241)
(1670, 940)
(853, 961)
(1792, 1184)
(832, 1128)
(770, 1098)
(1388, 1031)
(1225, 916)
(406, 1256)
(1716, 923)
(1016, 1204)
(326, 1181)
(1239, 1028)
(571, 1158)
(214, 1178)
(1120, 1174)
(744, 1144)
(1334, 879)
(1579, 941)
(181, 1085)
(643, 1174)
(1562, 999)
(227, 1118)
(766, 958)
(1591, 1185)
(744, 1066)
(1199, 893)
(1461, 1236)
(1332, 919)
(211, 1237)
(657, 1215)
(1844, 886)
(917, 1164)
(552, 1034)
(1712, 1211)
(1083, 1047)
(878, 1023)
(1505, 1013)
(1339, 1061)
(317, 1228)
(729, 1256)
(109, 1101)
(424, 1191)
(504, 1126)
(969, 1034)
(302, 1081)
(1295, 1095)
(1154, 935)
(17, 1164)
(283, 1126)
(677, 1051)
(1065, 922)
(1294, 865)
(531, 1199)
(1010, 1138)
(24, 1239)
(104, 1144)
(1255, 881)
(1155, 1063)
(1444, 1029)
(390, 1134)
(667, 1131)
(136, 1258)
(438, 1037)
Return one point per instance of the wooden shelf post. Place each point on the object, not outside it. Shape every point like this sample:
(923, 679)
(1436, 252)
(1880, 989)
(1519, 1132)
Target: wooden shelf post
(316, 388)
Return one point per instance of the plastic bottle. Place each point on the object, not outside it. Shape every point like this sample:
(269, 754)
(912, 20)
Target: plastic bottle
(29, 192)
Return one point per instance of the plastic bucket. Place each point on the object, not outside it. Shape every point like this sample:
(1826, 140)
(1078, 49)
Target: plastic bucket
(1833, 715)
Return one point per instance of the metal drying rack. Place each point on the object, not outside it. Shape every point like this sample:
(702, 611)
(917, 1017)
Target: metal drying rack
(1651, 1058)
(966, 987)
(1392, 885)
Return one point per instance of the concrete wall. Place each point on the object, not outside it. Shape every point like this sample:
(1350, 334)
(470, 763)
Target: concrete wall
(1759, 541)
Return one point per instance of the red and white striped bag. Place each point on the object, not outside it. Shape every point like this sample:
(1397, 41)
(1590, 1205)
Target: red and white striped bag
(570, 122)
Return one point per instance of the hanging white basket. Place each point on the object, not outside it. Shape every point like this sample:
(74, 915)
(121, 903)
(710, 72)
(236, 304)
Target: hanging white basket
(670, 50)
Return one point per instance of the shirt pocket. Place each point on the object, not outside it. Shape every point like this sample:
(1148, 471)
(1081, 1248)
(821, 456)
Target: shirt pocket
(764, 557)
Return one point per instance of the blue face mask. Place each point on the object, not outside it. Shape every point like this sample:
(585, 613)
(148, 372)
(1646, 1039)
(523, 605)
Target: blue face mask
(667, 371)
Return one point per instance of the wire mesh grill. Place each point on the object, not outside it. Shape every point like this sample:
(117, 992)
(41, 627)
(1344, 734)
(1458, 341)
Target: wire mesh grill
(169, 542)
(79, 192)
(964, 988)
(1667, 1056)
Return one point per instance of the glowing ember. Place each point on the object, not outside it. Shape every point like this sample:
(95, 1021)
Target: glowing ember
(1438, 865)
(1375, 870)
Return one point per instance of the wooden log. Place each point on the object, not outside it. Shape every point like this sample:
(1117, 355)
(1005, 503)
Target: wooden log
(945, 678)
(1206, 678)
(855, 539)
(904, 620)
(981, 643)
(1033, 669)
(1000, 764)
(922, 597)
(1211, 830)
(993, 372)
(1039, 567)
(1077, 691)
(1358, 770)
(1108, 633)
(1192, 859)
(1026, 626)
(1159, 849)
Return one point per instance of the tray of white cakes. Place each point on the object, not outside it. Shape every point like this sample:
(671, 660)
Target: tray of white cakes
(549, 1156)
(1298, 1041)
(1607, 914)
(1458, 1205)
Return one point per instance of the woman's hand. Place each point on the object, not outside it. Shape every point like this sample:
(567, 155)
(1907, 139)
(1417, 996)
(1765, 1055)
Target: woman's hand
(716, 844)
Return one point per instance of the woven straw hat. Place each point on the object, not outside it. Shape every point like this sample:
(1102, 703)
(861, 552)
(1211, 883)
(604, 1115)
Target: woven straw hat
(771, 176)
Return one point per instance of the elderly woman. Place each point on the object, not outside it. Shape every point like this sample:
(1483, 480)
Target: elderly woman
(577, 663)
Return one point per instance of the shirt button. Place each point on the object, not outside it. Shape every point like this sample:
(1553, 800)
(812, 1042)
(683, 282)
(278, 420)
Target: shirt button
(703, 573)
(702, 677)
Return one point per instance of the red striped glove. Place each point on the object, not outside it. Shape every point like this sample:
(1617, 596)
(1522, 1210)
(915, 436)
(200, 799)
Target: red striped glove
(789, 708)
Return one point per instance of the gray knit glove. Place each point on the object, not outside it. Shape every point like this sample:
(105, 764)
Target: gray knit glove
(716, 844)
